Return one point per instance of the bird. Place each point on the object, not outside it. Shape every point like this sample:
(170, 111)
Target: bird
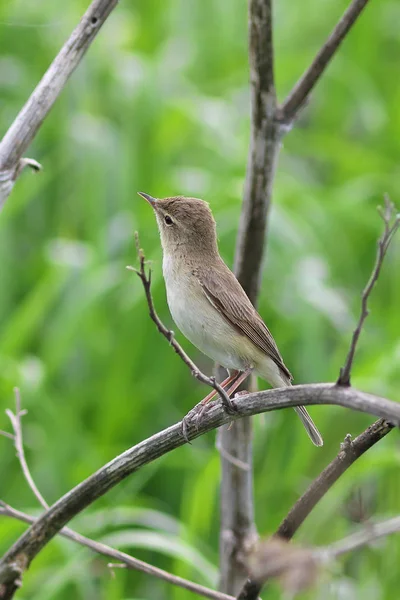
(209, 305)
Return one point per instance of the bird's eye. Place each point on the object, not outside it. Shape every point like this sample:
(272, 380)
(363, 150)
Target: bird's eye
(168, 220)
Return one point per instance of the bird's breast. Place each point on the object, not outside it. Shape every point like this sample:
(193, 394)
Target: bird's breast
(198, 320)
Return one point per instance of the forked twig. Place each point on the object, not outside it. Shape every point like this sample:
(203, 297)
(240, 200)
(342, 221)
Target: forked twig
(391, 224)
(169, 335)
(19, 446)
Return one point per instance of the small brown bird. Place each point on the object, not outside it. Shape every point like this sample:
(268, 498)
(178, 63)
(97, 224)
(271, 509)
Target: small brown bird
(209, 305)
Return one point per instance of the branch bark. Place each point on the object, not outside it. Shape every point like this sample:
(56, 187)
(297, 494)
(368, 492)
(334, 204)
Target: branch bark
(237, 527)
(32, 115)
(19, 556)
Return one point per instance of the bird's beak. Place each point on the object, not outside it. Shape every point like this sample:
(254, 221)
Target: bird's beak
(152, 201)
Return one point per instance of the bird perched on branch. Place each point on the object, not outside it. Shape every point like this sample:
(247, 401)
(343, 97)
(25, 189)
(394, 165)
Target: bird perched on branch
(209, 305)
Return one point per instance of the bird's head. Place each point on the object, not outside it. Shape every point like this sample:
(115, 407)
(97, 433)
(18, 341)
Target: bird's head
(184, 223)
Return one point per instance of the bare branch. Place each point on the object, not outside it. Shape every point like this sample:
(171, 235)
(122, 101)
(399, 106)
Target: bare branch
(169, 335)
(125, 560)
(391, 224)
(350, 451)
(296, 99)
(32, 115)
(237, 503)
(18, 557)
(263, 151)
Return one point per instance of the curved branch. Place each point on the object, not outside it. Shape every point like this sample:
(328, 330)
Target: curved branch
(32, 115)
(19, 556)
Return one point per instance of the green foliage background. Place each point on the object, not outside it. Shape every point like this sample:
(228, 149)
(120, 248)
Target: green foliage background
(161, 104)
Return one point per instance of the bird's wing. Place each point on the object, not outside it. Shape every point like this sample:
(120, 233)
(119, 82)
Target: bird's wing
(237, 309)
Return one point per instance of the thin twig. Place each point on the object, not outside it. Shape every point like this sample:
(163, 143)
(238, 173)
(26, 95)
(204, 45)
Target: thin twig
(76, 500)
(296, 99)
(169, 335)
(370, 533)
(19, 446)
(125, 560)
(391, 224)
(27, 123)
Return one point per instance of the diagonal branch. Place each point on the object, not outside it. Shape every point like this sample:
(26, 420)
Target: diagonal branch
(19, 556)
(391, 224)
(350, 451)
(32, 115)
(169, 335)
(296, 99)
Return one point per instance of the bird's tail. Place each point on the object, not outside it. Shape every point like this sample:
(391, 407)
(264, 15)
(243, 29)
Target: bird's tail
(314, 435)
(311, 428)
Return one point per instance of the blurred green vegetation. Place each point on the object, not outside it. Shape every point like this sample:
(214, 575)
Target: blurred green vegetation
(161, 104)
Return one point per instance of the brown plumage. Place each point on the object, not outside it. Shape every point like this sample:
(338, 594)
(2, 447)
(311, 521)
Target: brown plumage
(208, 303)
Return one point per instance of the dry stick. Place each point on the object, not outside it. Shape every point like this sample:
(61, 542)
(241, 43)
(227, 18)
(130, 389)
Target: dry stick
(32, 115)
(17, 559)
(390, 229)
(350, 451)
(287, 112)
(169, 335)
(237, 526)
(268, 125)
(125, 559)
